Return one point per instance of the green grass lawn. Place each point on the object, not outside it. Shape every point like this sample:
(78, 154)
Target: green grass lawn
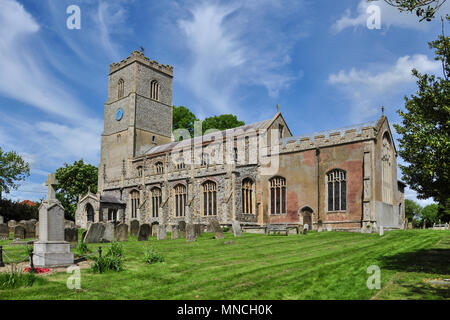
(327, 265)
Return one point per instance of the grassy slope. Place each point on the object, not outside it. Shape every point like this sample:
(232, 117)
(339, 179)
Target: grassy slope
(327, 265)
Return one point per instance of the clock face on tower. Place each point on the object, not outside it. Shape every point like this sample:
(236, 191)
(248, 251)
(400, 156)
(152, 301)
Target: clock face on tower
(119, 114)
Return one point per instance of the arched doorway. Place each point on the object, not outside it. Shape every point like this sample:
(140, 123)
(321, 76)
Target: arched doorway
(90, 213)
(306, 216)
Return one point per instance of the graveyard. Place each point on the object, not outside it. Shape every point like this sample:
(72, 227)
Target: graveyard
(315, 265)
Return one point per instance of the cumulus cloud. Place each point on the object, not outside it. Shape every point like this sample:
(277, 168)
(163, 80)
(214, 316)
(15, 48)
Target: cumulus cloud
(390, 16)
(226, 53)
(368, 89)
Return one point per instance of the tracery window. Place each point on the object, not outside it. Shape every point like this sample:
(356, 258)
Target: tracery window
(135, 201)
(247, 196)
(277, 195)
(180, 194)
(337, 190)
(154, 87)
(156, 201)
(209, 189)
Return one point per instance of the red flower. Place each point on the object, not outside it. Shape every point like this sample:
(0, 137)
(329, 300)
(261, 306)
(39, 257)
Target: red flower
(38, 270)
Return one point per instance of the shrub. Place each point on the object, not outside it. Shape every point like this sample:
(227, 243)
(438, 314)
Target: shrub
(226, 229)
(11, 280)
(82, 248)
(112, 260)
(152, 256)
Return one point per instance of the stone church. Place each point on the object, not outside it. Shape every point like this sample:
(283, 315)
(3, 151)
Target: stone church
(257, 174)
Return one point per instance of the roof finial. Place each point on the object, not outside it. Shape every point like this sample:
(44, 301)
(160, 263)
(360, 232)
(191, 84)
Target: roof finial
(278, 107)
(382, 110)
(142, 49)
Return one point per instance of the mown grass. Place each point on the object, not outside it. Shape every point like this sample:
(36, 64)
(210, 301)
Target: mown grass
(327, 265)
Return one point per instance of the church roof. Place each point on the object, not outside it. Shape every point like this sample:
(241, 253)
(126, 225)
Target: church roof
(209, 137)
(106, 198)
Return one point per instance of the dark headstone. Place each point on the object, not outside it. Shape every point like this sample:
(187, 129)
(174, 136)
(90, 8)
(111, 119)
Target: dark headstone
(237, 230)
(134, 228)
(11, 225)
(155, 229)
(19, 232)
(190, 234)
(175, 232)
(71, 236)
(198, 230)
(162, 232)
(182, 229)
(95, 233)
(122, 232)
(4, 231)
(144, 232)
(30, 231)
(218, 232)
(108, 235)
(83, 235)
(69, 224)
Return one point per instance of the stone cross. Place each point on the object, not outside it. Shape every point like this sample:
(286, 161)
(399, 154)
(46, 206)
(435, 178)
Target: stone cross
(51, 183)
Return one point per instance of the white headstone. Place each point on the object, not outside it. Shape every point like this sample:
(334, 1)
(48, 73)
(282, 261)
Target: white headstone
(306, 226)
(329, 228)
(51, 250)
(320, 229)
(381, 230)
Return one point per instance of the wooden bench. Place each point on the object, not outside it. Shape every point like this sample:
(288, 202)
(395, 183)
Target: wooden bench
(277, 228)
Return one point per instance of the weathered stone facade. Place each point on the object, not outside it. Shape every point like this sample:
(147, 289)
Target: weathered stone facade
(257, 174)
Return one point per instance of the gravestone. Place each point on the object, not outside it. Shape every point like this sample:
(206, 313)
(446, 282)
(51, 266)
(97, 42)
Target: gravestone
(51, 250)
(155, 229)
(19, 232)
(134, 228)
(1, 220)
(144, 232)
(198, 228)
(329, 228)
(218, 232)
(381, 231)
(36, 228)
(190, 234)
(71, 236)
(95, 233)
(122, 232)
(69, 224)
(182, 229)
(162, 232)
(108, 234)
(4, 231)
(175, 232)
(30, 231)
(83, 235)
(319, 229)
(237, 230)
(305, 228)
(11, 225)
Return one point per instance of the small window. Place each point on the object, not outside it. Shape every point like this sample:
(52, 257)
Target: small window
(140, 171)
(112, 214)
(153, 138)
(154, 86)
(135, 202)
(247, 196)
(159, 167)
(120, 88)
(119, 138)
(280, 131)
(156, 201)
(205, 159)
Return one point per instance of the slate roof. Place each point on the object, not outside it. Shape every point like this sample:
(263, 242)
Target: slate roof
(106, 198)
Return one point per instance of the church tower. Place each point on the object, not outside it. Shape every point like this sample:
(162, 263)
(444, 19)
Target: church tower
(138, 113)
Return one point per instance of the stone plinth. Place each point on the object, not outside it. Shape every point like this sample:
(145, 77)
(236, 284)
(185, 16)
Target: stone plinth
(52, 254)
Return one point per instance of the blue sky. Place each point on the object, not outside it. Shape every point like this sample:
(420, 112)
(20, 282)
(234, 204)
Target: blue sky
(317, 59)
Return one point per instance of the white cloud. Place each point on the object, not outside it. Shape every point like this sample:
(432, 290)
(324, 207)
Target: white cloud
(225, 52)
(368, 89)
(390, 16)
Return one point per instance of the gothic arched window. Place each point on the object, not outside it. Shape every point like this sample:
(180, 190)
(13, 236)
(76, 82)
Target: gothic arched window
(209, 189)
(120, 88)
(247, 196)
(386, 159)
(140, 171)
(277, 195)
(90, 213)
(180, 194)
(135, 201)
(156, 201)
(337, 190)
(154, 87)
(159, 167)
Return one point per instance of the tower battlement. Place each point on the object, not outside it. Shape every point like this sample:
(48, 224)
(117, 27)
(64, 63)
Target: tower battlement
(137, 56)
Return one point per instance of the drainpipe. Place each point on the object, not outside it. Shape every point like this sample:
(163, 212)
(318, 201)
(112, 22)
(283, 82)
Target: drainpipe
(318, 183)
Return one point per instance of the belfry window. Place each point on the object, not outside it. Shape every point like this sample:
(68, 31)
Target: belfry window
(154, 94)
(140, 171)
(135, 201)
(180, 195)
(120, 88)
(209, 198)
(247, 196)
(159, 167)
(156, 201)
(337, 190)
(277, 195)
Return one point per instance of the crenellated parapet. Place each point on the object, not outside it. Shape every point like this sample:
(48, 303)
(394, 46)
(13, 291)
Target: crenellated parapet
(141, 58)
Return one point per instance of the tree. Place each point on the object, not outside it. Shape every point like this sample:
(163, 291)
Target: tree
(430, 214)
(75, 180)
(183, 118)
(425, 133)
(12, 170)
(222, 122)
(424, 9)
(412, 210)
